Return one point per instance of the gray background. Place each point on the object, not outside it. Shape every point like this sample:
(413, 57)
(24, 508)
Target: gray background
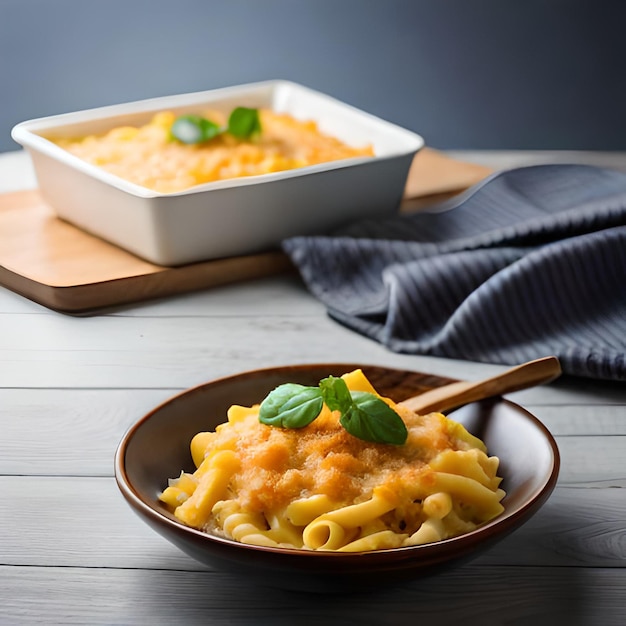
(476, 74)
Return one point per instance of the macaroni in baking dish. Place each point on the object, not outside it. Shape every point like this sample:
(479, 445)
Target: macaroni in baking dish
(148, 156)
(321, 488)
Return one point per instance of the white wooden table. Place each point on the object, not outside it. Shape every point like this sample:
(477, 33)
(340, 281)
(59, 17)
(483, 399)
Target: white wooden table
(72, 552)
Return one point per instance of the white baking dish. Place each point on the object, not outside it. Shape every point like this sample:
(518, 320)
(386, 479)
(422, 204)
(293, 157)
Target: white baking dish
(230, 217)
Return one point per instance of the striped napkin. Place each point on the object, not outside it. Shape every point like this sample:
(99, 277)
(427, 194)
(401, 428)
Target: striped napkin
(528, 263)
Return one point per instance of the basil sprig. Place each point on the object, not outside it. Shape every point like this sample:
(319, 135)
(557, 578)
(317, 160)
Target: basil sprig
(194, 129)
(362, 414)
(243, 123)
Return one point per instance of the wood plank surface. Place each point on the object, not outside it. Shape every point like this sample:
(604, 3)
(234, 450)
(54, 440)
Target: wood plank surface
(494, 595)
(283, 292)
(122, 352)
(180, 352)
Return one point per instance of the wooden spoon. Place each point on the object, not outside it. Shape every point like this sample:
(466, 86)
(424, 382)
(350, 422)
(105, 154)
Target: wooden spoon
(457, 394)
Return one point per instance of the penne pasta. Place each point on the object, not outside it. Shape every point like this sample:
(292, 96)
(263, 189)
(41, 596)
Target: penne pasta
(304, 510)
(317, 487)
(360, 514)
(325, 534)
(212, 485)
(381, 540)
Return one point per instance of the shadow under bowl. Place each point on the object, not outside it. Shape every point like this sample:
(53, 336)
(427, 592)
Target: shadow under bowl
(157, 448)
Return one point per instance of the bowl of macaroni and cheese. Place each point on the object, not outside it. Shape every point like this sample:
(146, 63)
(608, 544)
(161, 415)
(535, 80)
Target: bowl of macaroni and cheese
(220, 173)
(316, 478)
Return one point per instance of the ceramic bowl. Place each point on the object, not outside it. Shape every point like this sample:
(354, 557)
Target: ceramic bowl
(157, 447)
(230, 217)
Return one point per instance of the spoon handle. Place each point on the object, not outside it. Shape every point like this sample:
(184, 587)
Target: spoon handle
(457, 394)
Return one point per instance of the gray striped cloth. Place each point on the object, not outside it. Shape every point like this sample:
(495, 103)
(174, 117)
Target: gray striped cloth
(529, 263)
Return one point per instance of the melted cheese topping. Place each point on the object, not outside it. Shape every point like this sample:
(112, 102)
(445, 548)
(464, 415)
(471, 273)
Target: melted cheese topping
(147, 155)
(281, 465)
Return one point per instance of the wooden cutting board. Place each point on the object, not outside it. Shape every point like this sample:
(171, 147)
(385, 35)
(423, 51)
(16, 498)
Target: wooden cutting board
(66, 269)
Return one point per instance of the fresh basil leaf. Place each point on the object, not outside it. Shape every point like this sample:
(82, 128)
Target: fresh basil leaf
(291, 406)
(336, 394)
(192, 129)
(244, 122)
(371, 419)
(362, 414)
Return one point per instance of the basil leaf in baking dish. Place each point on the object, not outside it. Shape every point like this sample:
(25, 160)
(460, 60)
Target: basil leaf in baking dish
(243, 123)
(192, 129)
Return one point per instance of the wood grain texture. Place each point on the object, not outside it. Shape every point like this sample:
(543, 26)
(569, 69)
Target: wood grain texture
(274, 294)
(174, 352)
(179, 352)
(472, 595)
